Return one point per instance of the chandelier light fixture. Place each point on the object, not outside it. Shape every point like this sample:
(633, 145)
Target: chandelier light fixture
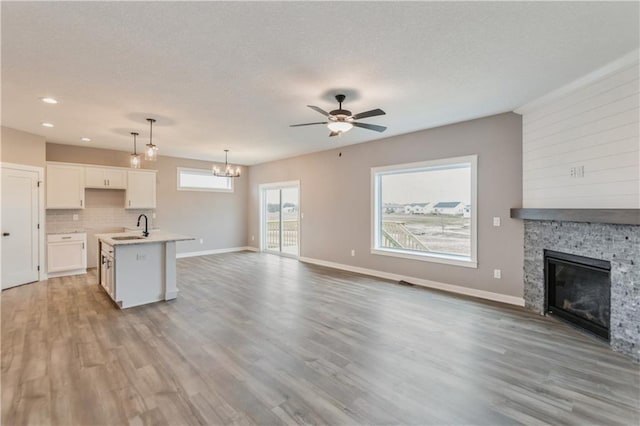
(151, 150)
(135, 157)
(228, 171)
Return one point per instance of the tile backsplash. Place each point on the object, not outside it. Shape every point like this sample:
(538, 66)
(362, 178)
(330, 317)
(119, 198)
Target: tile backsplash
(104, 213)
(93, 218)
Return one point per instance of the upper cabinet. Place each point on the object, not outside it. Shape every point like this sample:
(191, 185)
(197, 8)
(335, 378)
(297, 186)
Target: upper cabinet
(141, 189)
(66, 182)
(65, 186)
(105, 177)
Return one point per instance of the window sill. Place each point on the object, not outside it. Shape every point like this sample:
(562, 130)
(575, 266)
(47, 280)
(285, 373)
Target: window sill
(431, 257)
(186, 188)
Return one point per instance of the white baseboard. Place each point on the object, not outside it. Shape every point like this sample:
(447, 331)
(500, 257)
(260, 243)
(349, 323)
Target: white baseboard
(66, 273)
(482, 294)
(215, 251)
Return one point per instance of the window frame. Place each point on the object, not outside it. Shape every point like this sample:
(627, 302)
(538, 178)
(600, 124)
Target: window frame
(449, 259)
(188, 188)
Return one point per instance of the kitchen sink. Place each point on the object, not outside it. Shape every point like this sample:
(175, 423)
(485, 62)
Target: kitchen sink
(128, 237)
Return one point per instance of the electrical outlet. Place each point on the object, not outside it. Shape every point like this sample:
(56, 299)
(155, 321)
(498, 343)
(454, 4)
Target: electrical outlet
(153, 215)
(76, 217)
(496, 221)
(497, 274)
(301, 215)
(253, 238)
(353, 252)
(141, 256)
(201, 240)
(576, 172)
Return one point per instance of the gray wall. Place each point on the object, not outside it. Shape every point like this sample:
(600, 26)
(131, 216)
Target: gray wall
(22, 148)
(336, 200)
(216, 217)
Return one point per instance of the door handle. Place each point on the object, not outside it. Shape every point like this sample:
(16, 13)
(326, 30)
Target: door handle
(5, 234)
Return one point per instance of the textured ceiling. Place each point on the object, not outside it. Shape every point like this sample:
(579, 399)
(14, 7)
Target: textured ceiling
(235, 75)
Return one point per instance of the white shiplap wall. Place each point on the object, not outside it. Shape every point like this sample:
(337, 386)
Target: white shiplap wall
(592, 123)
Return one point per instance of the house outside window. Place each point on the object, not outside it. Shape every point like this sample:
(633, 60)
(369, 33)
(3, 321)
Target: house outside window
(202, 180)
(426, 211)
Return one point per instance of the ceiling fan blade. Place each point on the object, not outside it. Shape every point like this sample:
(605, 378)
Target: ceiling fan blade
(307, 124)
(370, 126)
(334, 134)
(372, 113)
(318, 109)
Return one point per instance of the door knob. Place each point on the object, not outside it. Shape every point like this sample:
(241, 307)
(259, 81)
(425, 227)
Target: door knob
(5, 234)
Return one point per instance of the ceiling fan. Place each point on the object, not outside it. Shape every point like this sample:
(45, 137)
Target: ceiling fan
(341, 120)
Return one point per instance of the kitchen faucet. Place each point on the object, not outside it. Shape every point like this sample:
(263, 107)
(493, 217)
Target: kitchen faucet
(145, 233)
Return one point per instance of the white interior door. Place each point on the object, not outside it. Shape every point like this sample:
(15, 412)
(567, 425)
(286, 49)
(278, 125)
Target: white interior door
(20, 234)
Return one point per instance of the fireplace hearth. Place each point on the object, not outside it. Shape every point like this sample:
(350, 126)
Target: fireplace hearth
(578, 290)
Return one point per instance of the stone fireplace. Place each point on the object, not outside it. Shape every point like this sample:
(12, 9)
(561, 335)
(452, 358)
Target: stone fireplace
(612, 245)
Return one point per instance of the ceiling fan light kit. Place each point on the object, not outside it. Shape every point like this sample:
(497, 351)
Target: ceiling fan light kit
(342, 120)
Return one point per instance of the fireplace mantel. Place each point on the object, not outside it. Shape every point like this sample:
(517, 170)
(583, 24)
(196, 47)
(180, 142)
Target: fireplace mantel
(614, 216)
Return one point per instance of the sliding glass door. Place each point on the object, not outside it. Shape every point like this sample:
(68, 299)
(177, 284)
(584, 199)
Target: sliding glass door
(280, 221)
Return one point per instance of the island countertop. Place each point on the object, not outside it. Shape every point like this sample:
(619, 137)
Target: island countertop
(155, 236)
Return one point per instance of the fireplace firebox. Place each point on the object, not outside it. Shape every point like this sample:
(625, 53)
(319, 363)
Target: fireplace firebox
(578, 290)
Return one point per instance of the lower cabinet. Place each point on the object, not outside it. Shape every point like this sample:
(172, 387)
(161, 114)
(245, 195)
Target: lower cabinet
(66, 254)
(107, 269)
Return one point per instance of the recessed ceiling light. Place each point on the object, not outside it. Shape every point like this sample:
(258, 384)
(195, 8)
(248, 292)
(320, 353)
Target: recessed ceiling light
(49, 100)
(47, 125)
(85, 139)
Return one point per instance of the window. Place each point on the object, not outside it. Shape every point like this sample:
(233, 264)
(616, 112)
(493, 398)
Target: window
(426, 211)
(202, 180)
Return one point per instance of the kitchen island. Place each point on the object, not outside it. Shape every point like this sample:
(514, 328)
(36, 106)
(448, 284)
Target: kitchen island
(135, 270)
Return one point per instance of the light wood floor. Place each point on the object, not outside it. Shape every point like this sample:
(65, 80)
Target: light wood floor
(258, 339)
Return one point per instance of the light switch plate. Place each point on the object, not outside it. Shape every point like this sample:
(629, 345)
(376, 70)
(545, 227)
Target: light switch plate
(497, 274)
(496, 221)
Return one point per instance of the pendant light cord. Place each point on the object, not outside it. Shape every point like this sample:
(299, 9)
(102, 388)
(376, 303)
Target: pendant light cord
(134, 142)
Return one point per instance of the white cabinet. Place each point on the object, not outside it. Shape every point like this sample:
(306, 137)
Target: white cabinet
(141, 189)
(107, 270)
(65, 186)
(105, 177)
(66, 254)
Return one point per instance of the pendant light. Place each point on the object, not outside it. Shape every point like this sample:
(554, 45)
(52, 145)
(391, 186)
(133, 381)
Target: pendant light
(135, 157)
(228, 169)
(151, 150)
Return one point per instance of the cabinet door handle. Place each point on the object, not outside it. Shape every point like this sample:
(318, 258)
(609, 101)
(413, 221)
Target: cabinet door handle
(82, 246)
(104, 182)
(129, 203)
(108, 182)
(66, 238)
(80, 203)
(5, 234)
